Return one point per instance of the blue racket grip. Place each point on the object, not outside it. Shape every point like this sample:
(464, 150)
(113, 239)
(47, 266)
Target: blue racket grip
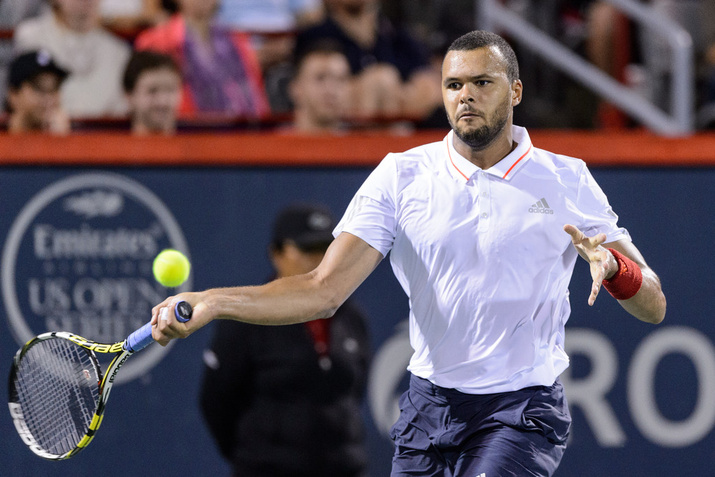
(142, 338)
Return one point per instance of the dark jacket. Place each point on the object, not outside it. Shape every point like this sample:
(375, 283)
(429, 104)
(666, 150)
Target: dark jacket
(393, 46)
(271, 408)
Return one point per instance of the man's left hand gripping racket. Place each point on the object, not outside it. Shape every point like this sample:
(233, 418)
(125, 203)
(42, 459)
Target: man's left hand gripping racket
(57, 392)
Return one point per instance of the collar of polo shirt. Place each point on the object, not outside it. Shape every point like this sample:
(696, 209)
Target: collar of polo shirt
(461, 167)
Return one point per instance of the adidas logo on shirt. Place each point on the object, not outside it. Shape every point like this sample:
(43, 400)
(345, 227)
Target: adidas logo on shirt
(541, 207)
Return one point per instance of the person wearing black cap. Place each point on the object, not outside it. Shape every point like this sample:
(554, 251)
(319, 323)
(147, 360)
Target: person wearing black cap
(286, 400)
(33, 98)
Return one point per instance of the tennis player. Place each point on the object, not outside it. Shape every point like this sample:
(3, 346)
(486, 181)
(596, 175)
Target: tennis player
(484, 230)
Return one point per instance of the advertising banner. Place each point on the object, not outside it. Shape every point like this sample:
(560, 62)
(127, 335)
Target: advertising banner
(77, 247)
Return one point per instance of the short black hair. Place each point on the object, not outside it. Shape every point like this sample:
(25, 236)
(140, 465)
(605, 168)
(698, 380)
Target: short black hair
(481, 39)
(142, 61)
(323, 46)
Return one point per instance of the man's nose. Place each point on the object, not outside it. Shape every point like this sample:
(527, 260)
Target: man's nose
(467, 94)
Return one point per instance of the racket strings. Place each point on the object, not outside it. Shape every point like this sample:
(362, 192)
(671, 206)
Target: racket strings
(58, 388)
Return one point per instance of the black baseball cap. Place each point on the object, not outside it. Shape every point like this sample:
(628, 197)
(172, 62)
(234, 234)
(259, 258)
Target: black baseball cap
(310, 226)
(28, 66)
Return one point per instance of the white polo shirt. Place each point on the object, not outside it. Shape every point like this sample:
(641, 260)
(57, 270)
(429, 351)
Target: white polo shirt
(483, 257)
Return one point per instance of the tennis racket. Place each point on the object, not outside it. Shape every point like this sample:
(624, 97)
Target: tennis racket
(57, 392)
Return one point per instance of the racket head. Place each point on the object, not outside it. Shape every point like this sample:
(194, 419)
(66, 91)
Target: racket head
(54, 392)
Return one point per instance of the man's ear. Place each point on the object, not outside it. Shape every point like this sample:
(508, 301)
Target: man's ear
(517, 89)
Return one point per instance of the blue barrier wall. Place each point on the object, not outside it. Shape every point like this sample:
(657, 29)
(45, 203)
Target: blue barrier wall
(642, 396)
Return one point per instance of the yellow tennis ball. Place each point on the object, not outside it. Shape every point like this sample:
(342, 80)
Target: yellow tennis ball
(171, 268)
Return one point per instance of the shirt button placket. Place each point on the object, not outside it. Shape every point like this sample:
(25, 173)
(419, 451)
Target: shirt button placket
(484, 201)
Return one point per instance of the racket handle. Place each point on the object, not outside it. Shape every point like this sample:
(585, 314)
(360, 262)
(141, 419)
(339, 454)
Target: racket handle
(183, 311)
(142, 338)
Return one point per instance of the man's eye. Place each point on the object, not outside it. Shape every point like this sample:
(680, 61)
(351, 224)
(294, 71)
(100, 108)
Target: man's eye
(454, 86)
(483, 82)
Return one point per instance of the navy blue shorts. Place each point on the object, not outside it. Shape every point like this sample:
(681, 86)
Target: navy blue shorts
(443, 432)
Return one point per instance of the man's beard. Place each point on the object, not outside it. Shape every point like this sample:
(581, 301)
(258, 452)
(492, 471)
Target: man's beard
(482, 137)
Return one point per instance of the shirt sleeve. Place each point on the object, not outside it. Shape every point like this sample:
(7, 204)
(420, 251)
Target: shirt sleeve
(371, 213)
(596, 213)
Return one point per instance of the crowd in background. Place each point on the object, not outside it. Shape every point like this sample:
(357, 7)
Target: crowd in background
(315, 66)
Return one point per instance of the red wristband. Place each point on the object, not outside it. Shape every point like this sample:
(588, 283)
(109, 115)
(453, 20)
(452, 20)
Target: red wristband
(627, 280)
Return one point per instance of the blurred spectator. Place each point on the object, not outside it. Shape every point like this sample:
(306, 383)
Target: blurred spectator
(285, 401)
(220, 70)
(34, 95)
(152, 83)
(601, 21)
(266, 20)
(272, 25)
(607, 46)
(94, 57)
(13, 12)
(320, 89)
(435, 23)
(708, 14)
(587, 27)
(392, 72)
